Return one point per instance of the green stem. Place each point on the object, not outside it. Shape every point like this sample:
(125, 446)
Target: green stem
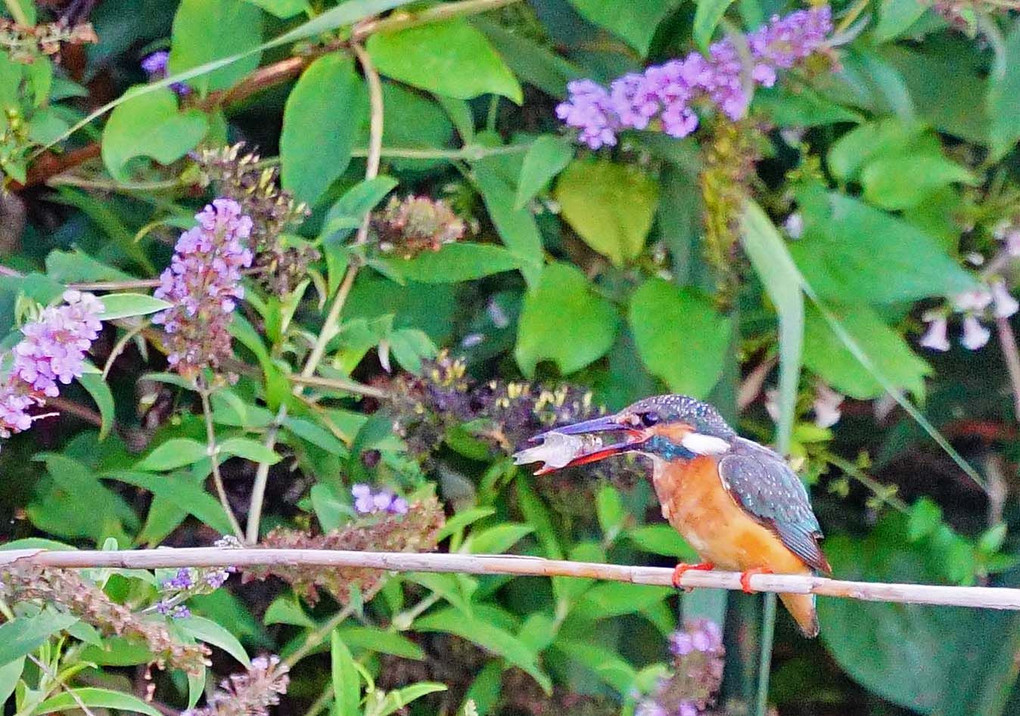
(768, 631)
(446, 11)
(18, 13)
(210, 433)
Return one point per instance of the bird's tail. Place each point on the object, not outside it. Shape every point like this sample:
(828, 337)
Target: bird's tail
(802, 608)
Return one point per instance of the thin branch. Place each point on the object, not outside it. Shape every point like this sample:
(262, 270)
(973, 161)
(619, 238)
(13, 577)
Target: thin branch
(60, 684)
(332, 320)
(166, 557)
(210, 434)
(1007, 339)
(349, 386)
(447, 11)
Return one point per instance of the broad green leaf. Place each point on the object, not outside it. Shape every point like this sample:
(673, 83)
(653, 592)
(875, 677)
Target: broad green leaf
(635, 22)
(24, 635)
(75, 265)
(565, 322)
(285, 610)
(249, 450)
(462, 519)
(498, 539)
(346, 680)
(707, 15)
(212, 633)
(885, 137)
(610, 599)
(283, 9)
(680, 336)
(450, 58)
(530, 59)
(767, 252)
(516, 227)
(852, 252)
(209, 30)
(77, 504)
(149, 125)
(826, 354)
(349, 210)
(884, 185)
(488, 636)
(895, 17)
(127, 305)
(604, 663)
(610, 205)
(10, 674)
(96, 698)
(661, 539)
(100, 392)
(181, 491)
(316, 435)
(174, 453)
(546, 158)
(610, 510)
(454, 263)
(1003, 99)
(320, 119)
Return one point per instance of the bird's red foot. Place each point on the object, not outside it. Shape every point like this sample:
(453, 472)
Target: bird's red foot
(745, 578)
(678, 572)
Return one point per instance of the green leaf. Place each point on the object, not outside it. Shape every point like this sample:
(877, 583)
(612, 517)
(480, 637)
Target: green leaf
(208, 30)
(212, 633)
(174, 453)
(826, 354)
(462, 519)
(454, 263)
(855, 253)
(661, 539)
(634, 22)
(767, 252)
(564, 321)
(610, 205)
(450, 58)
(181, 491)
(346, 681)
(399, 699)
(488, 636)
(517, 228)
(285, 610)
(10, 675)
(149, 125)
(77, 504)
(320, 119)
(75, 265)
(23, 635)
(249, 450)
(349, 210)
(884, 186)
(547, 157)
(610, 599)
(498, 539)
(609, 509)
(316, 435)
(602, 662)
(679, 335)
(283, 9)
(127, 305)
(96, 698)
(1003, 99)
(100, 392)
(381, 641)
(706, 19)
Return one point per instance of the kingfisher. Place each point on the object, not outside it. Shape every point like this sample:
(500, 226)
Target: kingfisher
(737, 503)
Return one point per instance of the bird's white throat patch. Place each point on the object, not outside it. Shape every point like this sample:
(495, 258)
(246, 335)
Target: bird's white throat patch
(701, 444)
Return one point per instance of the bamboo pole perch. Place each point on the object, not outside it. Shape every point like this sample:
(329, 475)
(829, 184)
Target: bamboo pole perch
(975, 597)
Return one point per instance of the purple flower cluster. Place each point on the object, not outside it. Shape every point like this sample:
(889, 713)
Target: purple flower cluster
(51, 353)
(988, 302)
(368, 502)
(667, 94)
(690, 688)
(155, 66)
(204, 282)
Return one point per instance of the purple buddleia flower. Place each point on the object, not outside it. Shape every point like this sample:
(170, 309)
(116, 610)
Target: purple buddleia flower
(369, 502)
(203, 283)
(155, 66)
(664, 97)
(181, 580)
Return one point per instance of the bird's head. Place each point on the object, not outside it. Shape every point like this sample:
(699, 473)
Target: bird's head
(666, 427)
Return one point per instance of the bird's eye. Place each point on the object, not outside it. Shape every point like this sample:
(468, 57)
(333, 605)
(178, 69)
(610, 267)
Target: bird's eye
(649, 419)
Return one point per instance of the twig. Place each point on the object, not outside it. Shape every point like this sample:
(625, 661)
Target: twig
(1007, 339)
(349, 386)
(79, 411)
(74, 694)
(167, 557)
(448, 11)
(332, 320)
(214, 458)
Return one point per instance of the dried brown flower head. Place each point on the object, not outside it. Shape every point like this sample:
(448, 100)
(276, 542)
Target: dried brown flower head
(250, 693)
(26, 43)
(415, 531)
(415, 224)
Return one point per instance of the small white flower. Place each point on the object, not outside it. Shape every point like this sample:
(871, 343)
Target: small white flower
(935, 337)
(1005, 304)
(794, 225)
(975, 259)
(826, 406)
(976, 300)
(975, 335)
(772, 404)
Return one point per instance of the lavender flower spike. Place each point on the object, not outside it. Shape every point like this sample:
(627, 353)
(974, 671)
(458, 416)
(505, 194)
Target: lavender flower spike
(204, 282)
(369, 502)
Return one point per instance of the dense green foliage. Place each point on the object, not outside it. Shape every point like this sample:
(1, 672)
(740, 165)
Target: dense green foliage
(434, 270)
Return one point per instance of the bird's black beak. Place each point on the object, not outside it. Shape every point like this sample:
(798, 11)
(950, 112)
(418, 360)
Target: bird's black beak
(580, 443)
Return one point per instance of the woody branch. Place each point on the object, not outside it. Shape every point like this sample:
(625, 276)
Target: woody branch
(975, 597)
